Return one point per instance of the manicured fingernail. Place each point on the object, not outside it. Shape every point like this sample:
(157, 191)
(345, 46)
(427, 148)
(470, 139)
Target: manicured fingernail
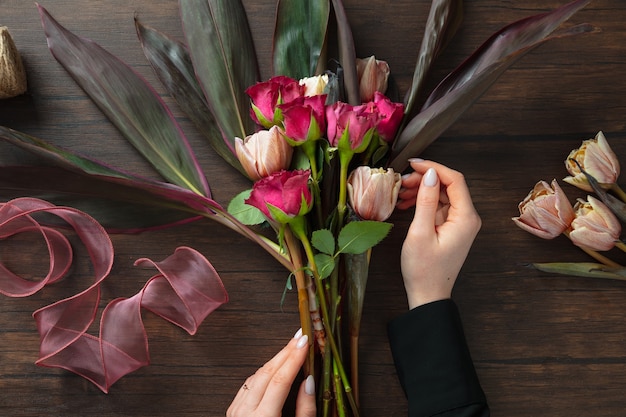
(406, 177)
(430, 178)
(309, 385)
(302, 342)
(416, 160)
(298, 334)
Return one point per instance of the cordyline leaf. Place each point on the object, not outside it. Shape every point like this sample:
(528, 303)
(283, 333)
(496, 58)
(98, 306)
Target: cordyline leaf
(444, 20)
(582, 269)
(129, 102)
(347, 54)
(120, 201)
(299, 37)
(459, 90)
(223, 56)
(172, 64)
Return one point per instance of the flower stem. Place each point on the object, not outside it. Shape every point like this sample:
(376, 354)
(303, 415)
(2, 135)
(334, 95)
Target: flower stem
(303, 296)
(325, 319)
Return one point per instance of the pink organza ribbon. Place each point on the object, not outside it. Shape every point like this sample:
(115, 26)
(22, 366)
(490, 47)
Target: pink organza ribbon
(184, 291)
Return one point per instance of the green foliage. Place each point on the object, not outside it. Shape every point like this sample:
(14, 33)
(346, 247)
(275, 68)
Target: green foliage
(243, 212)
(357, 237)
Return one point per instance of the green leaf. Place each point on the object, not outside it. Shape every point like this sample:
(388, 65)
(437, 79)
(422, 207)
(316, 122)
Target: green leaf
(299, 37)
(325, 264)
(582, 269)
(359, 236)
(460, 89)
(243, 212)
(324, 241)
(129, 103)
(172, 64)
(223, 56)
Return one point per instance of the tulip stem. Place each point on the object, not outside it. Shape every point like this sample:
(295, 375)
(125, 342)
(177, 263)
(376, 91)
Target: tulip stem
(600, 258)
(620, 245)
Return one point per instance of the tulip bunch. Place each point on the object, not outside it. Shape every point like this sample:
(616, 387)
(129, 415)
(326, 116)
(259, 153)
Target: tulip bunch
(331, 211)
(594, 224)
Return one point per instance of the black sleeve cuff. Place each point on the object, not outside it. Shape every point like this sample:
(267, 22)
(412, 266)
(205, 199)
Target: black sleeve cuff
(433, 361)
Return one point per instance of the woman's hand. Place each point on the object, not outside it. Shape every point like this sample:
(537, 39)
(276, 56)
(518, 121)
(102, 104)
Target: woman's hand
(264, 393)
(441, 234)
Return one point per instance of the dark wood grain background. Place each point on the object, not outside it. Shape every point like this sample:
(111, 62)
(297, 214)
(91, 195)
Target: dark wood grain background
(544, 345)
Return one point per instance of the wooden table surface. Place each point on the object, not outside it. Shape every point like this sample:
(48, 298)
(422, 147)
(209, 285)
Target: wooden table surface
(543, 344)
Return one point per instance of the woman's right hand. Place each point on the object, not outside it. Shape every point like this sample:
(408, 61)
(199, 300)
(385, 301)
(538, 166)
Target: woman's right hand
(441, 234)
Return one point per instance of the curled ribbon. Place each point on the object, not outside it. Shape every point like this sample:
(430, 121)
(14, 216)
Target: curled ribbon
(185, 291)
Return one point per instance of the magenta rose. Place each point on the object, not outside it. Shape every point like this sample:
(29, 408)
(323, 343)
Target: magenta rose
(266, 96)
(304, 118)
(390, 116)
(350, 127)
(282, 196)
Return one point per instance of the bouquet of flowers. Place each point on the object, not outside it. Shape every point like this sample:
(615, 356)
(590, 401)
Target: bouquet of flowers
(323, 145)
(594, 224)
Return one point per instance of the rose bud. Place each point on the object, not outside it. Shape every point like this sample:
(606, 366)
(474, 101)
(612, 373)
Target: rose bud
(373, 192)
(595, 157)
(390, 116)
(373, 76)
(546, 211)
(264, 153)
(304, 119)
(350, 127)
(268, 95)
(282, 196)
(595, 226)
(314, 86)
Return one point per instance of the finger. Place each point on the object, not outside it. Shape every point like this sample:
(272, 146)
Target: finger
(305, 402)
(282, 379)
(455, 188)
(427, 203)
(255, 387)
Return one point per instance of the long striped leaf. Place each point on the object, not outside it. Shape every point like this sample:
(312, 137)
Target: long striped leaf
(457, 92)
(223, 56)
(172, 64)
(299, 37)
(129, 102)
(120, 201)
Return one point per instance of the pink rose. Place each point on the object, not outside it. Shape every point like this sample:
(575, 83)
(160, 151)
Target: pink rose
(350, 127)
(390, 116)
(304, 118)
(283, 195)
(266, 96)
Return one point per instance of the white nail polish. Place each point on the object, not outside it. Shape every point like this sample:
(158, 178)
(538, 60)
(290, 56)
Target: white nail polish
(302, 342)
(309, 385)
(298, 334)
(430, 178)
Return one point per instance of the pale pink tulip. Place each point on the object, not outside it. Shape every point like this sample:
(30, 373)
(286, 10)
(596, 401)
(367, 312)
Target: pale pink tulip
(595, 226)
(596, 157)
(373, 76)
(373, 192)
(546, 211)
(264, 153)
